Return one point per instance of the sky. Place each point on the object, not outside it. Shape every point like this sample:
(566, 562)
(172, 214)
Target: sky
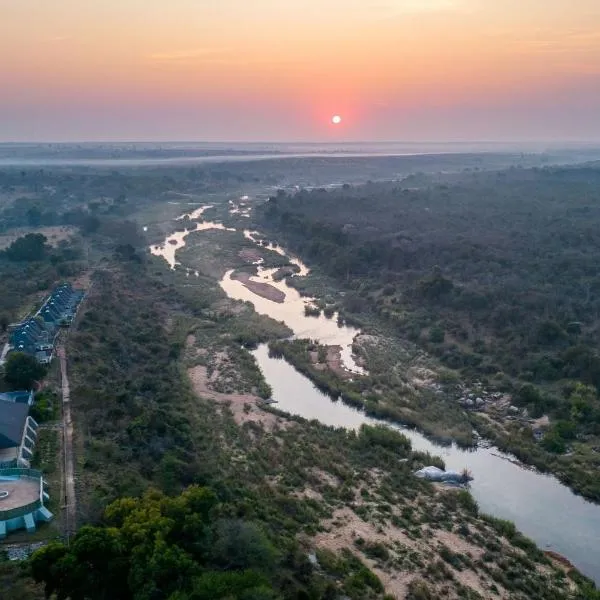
(278, 70)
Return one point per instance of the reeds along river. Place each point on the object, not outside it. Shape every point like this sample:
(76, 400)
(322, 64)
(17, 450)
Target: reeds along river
(540, 506)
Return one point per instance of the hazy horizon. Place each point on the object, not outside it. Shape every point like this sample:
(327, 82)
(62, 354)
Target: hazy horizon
(271, 71)
(557, 142)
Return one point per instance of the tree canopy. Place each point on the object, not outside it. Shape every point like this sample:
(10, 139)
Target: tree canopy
(21, 371)
(159, 547)
(494, 273)
(30, 247)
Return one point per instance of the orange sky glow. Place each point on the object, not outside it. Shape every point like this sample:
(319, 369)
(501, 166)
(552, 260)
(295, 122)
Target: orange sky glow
(279, 69)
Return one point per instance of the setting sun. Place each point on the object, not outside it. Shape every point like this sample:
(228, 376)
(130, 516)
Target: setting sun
(336, 119)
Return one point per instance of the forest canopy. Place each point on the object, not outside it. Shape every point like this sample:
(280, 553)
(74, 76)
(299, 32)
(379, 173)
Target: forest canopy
(495, 273)
(159, 547)
(504, 263)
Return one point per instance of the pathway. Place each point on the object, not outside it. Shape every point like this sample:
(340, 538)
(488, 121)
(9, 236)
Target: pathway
(70, 505)
(5, 350)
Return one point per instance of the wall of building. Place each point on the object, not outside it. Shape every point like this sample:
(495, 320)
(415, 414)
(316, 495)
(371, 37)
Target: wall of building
(40, 515)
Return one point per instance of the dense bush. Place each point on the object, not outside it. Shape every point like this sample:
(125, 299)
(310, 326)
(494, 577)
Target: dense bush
(158, 547)
(505, 256)
(21, 371)
(493, 273)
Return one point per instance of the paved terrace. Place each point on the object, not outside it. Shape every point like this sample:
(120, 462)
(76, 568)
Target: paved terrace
(20, 493)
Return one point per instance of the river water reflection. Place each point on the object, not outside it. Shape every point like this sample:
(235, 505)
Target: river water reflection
(291, 312)
(540, 506)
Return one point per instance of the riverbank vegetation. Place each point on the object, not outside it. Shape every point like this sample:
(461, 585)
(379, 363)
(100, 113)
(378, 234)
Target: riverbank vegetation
(285, 510)
(491, 273)
(213, 252)
(283, 495)
(384, 396)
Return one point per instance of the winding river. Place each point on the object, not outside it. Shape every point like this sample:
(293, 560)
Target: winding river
(540, 506)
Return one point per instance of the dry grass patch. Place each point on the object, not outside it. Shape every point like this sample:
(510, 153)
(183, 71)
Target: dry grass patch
(244, 407)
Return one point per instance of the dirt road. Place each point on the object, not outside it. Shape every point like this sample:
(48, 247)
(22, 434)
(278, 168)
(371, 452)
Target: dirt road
(69, 469)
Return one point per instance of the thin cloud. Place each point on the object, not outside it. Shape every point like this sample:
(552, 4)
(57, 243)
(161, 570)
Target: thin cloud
(419, 6)
(557, 42)
(193, 55)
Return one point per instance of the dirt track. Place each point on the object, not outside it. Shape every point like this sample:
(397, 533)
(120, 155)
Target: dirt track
(70, 505)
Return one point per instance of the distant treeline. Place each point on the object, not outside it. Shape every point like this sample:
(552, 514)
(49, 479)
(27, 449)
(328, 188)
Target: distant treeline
(496, 273)
(503, 264)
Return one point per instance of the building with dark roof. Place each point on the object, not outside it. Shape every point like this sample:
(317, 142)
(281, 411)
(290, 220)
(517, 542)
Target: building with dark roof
(18, 434)
(22, 397)
(61, 306)
(36, 335)
(27, 335)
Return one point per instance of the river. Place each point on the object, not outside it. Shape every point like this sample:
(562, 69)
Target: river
(540, 506)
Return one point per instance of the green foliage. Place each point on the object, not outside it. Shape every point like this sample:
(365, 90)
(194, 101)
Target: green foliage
(435, 287)
(452, 558)
(153, 547)
(380, 435)
(47, 451)
(584, 403)
(312, 311)
(242, 545)
(550, 333)
(481, 272)
(21, 371)
(45, 406)
(29, 248)
(246, 585)
(567, 430)
(132, 402)
(376, 551)
(362, 580)
(528, 394)
(467, 502)
(554, 443)
(437, 335)
(539, 222)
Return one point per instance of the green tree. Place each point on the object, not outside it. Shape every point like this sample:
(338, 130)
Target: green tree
(247, 585)
(582, 401)
(528, 394)
(437, 335)
(31, 247)
(380, 435)
(554, 443)
(44, 407)
(159, 548)
(94, 566)
(242, 545)
(550, 332)
(21, 371)
(567, 430)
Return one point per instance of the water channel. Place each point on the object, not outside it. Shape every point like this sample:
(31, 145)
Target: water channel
(540, 506)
